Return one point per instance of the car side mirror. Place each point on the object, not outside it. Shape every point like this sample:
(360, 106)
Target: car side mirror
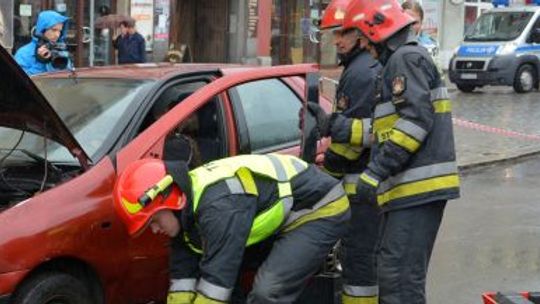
(310, 135)
(535, 35)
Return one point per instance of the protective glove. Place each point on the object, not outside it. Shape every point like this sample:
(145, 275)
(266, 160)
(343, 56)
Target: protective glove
(322, 118)
(367, 187)
(180, 297)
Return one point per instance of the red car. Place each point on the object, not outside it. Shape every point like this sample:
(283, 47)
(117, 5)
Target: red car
(63, 146)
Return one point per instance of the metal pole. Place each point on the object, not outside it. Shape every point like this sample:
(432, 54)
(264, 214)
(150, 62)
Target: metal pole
(91, 25)
(79, 21)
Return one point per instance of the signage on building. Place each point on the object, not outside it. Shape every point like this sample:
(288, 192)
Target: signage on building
(432, 11)
(61, 7)
(143, 13)
(161, 13)
(253, 18)
(25, 10)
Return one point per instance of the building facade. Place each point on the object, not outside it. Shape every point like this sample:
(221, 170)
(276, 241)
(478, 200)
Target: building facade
(265, 32)
(239, 31)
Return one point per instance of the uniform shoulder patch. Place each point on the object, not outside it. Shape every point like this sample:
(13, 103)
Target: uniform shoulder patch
(399, 85)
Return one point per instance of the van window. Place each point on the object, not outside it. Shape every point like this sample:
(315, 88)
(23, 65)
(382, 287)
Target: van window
(534, 35)
(498, 26)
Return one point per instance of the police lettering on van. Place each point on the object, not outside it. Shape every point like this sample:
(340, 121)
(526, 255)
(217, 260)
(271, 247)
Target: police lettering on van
(501, 48)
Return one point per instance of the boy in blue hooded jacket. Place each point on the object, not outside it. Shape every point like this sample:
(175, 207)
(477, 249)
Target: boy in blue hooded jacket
(35, 57)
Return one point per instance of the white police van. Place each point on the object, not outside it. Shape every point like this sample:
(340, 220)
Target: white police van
(501, 48)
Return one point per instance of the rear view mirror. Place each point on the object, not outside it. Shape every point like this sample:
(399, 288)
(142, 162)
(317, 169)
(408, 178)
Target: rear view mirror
(535, 35)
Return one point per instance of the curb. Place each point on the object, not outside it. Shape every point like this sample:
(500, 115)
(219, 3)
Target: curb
(512, 157)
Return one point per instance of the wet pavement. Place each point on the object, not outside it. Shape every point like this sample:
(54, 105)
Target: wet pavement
(490, 124)
(489, 239)
(494, 124)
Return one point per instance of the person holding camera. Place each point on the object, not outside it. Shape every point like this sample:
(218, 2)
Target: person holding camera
(47, 51)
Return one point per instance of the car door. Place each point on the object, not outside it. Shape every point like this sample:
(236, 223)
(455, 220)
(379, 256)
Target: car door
(149, 252)
(146, 144)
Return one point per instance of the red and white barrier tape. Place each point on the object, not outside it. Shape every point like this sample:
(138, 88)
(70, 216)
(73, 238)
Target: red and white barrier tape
(489, 129)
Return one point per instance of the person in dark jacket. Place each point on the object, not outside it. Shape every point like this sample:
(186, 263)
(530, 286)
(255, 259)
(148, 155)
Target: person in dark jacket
(130, 44)
(214, 212)
(412, 171)
(36, 56)
(348, 153)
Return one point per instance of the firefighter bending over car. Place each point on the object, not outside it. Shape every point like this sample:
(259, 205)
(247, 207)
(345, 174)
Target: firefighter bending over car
(217, 210)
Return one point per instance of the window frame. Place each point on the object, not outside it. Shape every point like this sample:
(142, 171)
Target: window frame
(138, 116)
(242, 130)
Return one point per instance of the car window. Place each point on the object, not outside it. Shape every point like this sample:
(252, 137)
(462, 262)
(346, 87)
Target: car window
(270, 110)
(173, 95)
(197, 139)
(90, 108)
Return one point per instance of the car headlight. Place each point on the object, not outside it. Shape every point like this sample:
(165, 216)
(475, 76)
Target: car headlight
(506, 49)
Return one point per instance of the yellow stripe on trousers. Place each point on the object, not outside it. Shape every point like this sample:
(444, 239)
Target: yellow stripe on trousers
(415, 188)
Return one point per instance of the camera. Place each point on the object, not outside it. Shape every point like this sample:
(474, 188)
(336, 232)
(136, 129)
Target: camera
(59, 58)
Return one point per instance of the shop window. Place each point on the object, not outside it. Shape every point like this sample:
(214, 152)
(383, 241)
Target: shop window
(292, 22)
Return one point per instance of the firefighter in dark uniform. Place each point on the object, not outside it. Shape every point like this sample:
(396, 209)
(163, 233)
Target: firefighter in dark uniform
(348, 153)
(217, 210)
(412, 171)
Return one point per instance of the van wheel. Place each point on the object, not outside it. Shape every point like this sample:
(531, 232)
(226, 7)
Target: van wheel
(525, 79)
(466, 88)
(52, 288)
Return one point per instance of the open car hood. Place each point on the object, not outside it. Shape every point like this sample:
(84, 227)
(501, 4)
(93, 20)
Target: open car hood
(23, 107)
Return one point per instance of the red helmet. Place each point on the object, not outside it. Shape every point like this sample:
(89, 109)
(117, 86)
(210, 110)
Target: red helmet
(143, 189)
(334, 14)
(376, 19)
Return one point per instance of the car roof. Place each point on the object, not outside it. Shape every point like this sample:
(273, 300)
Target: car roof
(154, 71)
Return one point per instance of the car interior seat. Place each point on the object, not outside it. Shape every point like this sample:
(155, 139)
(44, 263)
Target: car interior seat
(203, 128)
(209, 137)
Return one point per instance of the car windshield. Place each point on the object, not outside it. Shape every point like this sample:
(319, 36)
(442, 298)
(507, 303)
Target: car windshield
(90, 108)
(498, 26)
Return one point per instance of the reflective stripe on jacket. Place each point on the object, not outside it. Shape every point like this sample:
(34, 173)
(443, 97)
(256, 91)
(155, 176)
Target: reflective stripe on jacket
(238, 173)
(414, 154)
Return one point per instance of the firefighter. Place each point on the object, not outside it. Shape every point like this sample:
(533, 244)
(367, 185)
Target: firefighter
(217, 210)
(412, 171)
(348, 153)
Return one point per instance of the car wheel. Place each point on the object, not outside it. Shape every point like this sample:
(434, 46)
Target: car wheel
(525, 79)
(466, 88)
(52, 288)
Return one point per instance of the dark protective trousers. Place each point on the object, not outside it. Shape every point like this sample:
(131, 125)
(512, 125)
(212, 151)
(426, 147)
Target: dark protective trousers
(358, 249)
(295, 257)
(406, 243)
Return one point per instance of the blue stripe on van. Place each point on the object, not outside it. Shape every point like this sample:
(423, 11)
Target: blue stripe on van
(478, 50)
(528, 48)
